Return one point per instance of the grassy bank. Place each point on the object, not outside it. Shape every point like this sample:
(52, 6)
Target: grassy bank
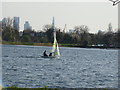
(25, 43)
(45, 88)
(17, 88)
(36, 44)
(50, 44)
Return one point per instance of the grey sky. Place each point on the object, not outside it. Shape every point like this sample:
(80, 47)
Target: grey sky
(96, 15)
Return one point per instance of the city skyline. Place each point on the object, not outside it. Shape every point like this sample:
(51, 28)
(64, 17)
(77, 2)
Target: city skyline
(16, 23)
(92, 14)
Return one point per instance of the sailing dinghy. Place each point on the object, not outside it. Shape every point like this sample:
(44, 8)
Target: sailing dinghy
(55, 48)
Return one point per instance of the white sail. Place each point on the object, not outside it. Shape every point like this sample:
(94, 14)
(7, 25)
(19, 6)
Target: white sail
(55, 48)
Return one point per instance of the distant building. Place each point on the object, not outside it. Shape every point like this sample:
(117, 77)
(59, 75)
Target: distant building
(27, 26)
(40, 34)
(28, 32)
(16, 22)
(72, 31)
(65, 28)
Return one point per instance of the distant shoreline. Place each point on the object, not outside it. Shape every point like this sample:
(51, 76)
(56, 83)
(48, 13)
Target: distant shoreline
(47, 88)
(50, 44)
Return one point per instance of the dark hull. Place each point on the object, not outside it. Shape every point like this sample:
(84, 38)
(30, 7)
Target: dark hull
(49, 57)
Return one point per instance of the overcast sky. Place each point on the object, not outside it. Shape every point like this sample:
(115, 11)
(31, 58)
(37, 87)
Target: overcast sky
(96, 15)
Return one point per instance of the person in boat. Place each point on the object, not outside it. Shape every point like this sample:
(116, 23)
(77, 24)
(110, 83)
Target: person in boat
(44, 54)
(50, 54)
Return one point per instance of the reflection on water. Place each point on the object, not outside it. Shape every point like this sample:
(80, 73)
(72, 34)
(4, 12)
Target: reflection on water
(77, 67)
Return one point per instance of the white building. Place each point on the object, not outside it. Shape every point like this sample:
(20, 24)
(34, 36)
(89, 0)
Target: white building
(71, 31)
(16, 23)
(27, 26)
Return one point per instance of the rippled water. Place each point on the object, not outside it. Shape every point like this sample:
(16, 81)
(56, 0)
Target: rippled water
(77, 68)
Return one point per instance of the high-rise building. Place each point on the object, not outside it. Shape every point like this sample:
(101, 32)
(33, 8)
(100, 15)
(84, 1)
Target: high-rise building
(16, 22)
(27, 26)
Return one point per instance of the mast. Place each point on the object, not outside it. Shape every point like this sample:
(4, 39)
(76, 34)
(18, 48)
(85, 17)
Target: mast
(54, 34)
(53, 24)
(53, 27)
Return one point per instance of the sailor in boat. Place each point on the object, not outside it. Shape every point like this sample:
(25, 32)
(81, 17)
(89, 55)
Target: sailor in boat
(44, 54)
(50, 54)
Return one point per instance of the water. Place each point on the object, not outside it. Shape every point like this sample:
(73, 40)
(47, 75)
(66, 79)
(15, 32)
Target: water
(77, 68)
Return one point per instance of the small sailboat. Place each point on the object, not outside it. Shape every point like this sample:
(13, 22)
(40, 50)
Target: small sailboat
(55, 48)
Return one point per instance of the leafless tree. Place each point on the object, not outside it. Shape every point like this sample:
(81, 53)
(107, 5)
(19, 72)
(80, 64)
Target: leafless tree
(47, 27)
(81, 29)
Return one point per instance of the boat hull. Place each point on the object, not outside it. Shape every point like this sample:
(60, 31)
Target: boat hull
(49, 57)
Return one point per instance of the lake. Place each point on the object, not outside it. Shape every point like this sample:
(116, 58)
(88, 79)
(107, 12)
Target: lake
(22, 66)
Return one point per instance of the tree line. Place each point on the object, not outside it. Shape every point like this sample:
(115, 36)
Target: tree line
(80, 36)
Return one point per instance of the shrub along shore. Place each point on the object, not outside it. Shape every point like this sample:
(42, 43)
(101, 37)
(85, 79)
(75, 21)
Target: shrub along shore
(46, 88)
(60, 45)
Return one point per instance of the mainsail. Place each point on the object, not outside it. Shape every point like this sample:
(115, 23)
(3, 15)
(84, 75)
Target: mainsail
(55, 48)
(57, 52)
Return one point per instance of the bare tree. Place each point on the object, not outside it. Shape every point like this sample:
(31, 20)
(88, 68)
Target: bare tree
(47, 27)
(8, 32)
(81, 29)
